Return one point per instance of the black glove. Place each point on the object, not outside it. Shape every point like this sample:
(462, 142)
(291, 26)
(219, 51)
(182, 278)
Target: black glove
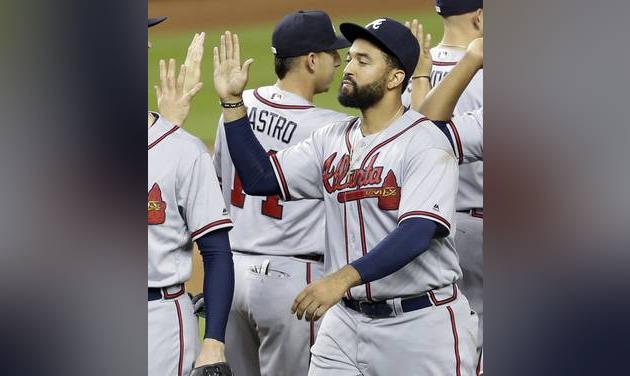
(217, 369)
(198, 305)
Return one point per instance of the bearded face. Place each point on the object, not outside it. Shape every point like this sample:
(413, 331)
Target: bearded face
(361, 97)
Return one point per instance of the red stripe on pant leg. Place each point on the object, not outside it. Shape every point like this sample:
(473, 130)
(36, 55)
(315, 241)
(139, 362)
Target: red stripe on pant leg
(308, 281)
(181, 339)
(456, 338)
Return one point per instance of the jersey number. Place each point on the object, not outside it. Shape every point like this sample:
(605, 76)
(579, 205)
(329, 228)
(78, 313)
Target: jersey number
(270, 205)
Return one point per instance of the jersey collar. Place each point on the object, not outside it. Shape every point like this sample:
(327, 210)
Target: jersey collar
(159, 129)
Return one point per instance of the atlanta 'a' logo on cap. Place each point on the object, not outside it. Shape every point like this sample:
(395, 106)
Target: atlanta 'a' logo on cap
(375, 24)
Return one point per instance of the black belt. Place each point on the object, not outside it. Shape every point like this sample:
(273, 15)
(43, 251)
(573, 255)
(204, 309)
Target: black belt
(383, 309)
(157, 293)
(309, 257)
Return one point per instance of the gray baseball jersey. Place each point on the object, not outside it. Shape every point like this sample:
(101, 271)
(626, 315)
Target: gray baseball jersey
(262, 336)
(267, 225)
(369, 185)
(184, 201)
(470, 193)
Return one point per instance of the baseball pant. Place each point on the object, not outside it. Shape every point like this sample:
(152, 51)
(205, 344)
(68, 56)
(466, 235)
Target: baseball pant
(263, 338)
(173, 336)
(469, 246)
(437, 341)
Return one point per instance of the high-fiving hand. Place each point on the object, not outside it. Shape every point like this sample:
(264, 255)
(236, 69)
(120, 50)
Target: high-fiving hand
(173, 100)
(230, 77)
(193, 61)
(425, 62)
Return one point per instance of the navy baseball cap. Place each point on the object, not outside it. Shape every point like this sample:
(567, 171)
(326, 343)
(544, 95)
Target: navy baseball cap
(389, 35)
(454, 7)
(155, 21)
(305, 31)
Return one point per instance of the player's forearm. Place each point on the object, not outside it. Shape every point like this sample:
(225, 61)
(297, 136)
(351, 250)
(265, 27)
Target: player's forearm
(400, 247)
(218, 282)
(420, 87)
(250, 159)
(440, 103)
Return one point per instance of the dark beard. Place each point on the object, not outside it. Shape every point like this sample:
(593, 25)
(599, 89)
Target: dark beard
(362, 97)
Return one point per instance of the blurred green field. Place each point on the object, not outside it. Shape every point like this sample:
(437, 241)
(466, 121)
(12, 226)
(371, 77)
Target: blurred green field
(256, 43)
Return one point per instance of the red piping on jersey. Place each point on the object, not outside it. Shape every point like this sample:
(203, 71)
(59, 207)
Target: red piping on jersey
(210, 225)
(345, 233)
(348, 144)
(281, 106)
(425, 213)
(437, 302)
(478, 371)
(312, 324)
(368, 290)
(458, 140)
(368, 155)
(181, 339)
(283, 181)
(456, 338)
(444, 63)
(163, 137)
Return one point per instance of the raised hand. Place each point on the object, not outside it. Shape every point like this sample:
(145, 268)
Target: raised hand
(230, 77)
(425, 62)
(193, 61)
(173, 100)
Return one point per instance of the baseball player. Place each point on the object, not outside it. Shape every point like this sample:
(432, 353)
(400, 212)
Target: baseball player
(463, 22)
(184, 205)
(278, 246)
(388, 181)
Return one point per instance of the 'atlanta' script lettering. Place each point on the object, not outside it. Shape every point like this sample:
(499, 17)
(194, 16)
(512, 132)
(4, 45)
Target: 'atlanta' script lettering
(337, 177)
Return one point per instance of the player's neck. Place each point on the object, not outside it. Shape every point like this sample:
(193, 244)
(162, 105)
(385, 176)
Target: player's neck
(382, 115)
(294, 85)
(458, 37)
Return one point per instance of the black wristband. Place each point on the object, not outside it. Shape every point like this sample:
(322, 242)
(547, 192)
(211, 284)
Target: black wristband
(232, 105)
(427, 77)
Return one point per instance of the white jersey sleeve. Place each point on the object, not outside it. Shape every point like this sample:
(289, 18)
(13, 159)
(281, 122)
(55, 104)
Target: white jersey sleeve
(298, 169)
(199, 197)
(467, 134)
(429, 186)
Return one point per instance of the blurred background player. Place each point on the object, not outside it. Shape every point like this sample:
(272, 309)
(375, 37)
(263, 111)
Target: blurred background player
(184, 205)
(463, 22)
(278, 246)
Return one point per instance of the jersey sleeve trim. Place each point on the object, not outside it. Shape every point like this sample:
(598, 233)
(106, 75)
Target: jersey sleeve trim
(212, 226)
(428, 215)
(277, 169)
(455, 134)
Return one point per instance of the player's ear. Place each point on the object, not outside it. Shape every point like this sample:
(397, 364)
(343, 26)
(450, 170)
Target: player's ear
(396, 78)
(311, 61)
(478, 20)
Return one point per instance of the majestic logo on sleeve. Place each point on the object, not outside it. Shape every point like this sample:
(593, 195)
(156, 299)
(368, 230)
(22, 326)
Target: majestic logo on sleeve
(157, 207)
(354, 183)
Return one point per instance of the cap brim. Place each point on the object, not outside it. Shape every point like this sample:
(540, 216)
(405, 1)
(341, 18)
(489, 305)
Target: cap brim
(156, 20)
(340, 43)
(353, 31)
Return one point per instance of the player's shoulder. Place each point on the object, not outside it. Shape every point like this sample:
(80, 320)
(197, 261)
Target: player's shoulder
(186, 144)
(425, 134)
(337, 127)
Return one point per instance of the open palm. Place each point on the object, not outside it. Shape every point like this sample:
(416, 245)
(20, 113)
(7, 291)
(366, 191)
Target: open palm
(230, 77)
